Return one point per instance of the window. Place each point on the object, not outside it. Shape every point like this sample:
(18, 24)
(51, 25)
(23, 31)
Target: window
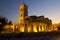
(25, 10)
(21, 15)
(32, 28)
(21, 9)
(25, 14)
(37, 28)
(32, 25)
(41, 27)
(25, 25)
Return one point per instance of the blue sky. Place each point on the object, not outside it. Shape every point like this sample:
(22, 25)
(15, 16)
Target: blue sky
(48, 8)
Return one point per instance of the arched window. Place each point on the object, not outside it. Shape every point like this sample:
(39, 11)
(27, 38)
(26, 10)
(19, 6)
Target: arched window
(21, 9)
(32, 28)
(37, 28)
(40, 27)
(58, 28)
(25, 25)
(21, 15)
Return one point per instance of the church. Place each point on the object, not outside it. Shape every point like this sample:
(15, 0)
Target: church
(30, 23)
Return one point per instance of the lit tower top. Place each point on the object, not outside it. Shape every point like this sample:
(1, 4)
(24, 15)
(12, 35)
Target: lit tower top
(23, 12)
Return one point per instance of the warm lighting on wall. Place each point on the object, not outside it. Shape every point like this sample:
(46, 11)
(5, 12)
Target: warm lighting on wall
(29, 29)
(21, 29)
(12, 28)
(56, 29)
(39, 29)
(42, 28)
(35, 29)
(49, 30)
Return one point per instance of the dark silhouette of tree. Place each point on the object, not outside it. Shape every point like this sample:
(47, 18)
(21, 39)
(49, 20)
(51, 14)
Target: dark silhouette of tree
(10, 22)
(3, 22)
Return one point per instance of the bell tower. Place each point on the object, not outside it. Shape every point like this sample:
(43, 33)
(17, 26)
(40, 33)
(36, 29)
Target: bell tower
(23, 13)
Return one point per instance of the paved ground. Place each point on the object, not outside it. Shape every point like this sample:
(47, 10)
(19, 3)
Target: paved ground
(30, 36)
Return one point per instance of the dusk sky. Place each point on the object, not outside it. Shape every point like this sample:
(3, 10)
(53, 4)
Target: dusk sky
(48, 8)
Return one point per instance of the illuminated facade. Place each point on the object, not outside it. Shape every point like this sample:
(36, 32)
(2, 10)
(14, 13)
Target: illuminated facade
(29, 23)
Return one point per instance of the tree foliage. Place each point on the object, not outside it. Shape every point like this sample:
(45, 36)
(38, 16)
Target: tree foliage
(3, 22)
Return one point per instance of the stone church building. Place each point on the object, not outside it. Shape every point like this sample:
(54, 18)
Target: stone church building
(29, 23)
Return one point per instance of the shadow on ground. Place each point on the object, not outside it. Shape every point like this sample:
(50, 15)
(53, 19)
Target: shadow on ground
(31, 36)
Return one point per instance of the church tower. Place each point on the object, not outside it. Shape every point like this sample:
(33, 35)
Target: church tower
(23, 13)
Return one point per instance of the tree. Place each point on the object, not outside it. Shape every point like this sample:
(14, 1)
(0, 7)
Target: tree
(3, 22)
(10, 22)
